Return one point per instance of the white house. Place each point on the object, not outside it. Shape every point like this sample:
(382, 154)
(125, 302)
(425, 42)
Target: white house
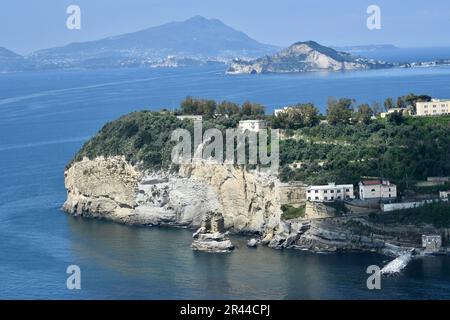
(252, 125)
(431, 243)
(444, 194)
(330, 192)
(404, 111)
(190, 117)
(377, 189)
(435, 107)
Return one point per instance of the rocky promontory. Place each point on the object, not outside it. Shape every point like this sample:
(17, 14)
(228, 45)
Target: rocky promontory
(305, 56)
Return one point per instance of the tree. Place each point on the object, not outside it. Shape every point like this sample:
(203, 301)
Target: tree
(395, 118)
(364, 114)
(376, 108)
(401, 103)
(252, 109)
(388, 103)
(297, 116)
(339, 111)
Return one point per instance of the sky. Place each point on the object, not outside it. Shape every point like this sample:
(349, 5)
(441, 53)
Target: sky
(27, 25)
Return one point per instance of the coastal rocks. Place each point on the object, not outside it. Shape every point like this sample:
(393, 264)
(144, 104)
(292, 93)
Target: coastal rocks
(113, 189)
(252, 243)
(103, 187)
(249, 201)
(168, 199)
(210, 237)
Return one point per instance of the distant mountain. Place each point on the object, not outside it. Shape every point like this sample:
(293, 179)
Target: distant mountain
(305, 57)
(11, 61)
(197, 38)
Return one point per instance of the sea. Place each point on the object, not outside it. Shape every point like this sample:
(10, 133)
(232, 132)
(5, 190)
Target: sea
(46, 116)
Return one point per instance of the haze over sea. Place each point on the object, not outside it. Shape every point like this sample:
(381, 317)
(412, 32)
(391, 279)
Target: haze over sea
(46, 116)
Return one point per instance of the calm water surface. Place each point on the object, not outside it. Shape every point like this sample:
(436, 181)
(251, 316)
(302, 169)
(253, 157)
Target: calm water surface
(44, 119)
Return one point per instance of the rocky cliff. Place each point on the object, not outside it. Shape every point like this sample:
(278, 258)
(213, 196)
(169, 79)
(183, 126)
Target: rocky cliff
(247, 201)
(305, 57)
(113, 189)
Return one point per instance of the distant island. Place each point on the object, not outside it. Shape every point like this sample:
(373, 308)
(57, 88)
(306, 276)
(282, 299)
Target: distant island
(306, 57)
(199, 41)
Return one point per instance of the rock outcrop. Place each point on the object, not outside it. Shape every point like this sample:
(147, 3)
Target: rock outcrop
(111, 188)
(101, 188)
(211, 236)
(232, 198)
(305, 57)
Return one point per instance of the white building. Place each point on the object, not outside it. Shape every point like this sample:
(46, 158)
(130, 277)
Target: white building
(431, 243)
(252, 125)
(404, 111)
(190, 117)
(377, 189)
(330, 192)
(435, 107)
(444, 194)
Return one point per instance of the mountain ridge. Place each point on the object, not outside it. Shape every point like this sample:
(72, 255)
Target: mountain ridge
(195, 38)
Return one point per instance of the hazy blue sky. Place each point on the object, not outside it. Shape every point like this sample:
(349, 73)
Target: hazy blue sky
(27, 25)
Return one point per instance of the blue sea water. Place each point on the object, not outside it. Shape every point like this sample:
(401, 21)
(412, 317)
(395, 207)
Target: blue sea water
(46, 116)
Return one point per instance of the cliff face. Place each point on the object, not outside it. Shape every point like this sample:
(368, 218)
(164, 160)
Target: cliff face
(101, 188)
(305, 57)
(111, 188)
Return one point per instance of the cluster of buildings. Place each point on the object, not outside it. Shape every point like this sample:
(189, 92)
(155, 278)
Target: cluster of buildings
(368, 190)
(435, 107)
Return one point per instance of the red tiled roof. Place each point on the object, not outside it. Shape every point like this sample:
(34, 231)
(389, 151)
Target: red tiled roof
(371, 182)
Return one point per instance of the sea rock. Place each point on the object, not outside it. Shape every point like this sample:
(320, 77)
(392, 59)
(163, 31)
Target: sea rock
(211, 242)
(252, 243)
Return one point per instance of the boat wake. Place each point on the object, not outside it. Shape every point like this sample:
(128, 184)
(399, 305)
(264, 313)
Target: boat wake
(396, 265)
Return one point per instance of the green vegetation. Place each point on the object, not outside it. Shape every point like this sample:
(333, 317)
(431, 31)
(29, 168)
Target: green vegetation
(436, 214)
(291, 212)
(213, 109)
(142, 137)
(296, 117)
(406, 151)
(350, 146)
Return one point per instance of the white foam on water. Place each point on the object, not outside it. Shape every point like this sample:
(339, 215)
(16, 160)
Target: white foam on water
(396, 265)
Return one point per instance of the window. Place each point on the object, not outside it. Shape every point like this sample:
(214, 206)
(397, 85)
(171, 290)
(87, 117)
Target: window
(339, 197)
(338, 191)
(325, 198)
(347, 190)
(309, 198)
(309, 191)
(317, 191)
(325, 191)
(373, 190)
(332, 198)
(332, 191)
(317, 198)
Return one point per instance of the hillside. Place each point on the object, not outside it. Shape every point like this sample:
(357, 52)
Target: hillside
(11, 61)
(197, 38)
(305, 57)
